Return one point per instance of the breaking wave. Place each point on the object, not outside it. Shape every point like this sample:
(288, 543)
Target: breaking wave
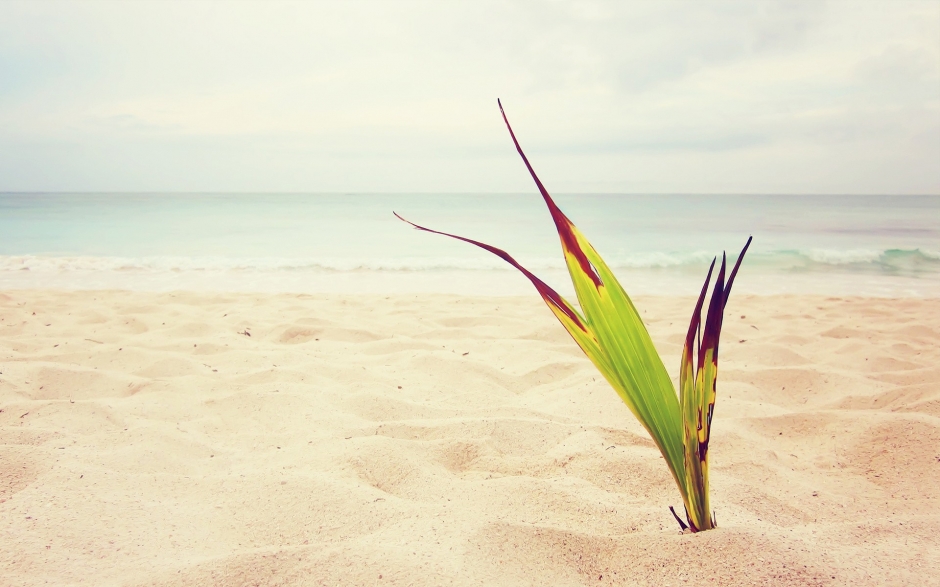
(889, 262)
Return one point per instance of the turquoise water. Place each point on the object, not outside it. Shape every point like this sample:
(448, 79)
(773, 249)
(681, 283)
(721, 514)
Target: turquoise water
(868, 245)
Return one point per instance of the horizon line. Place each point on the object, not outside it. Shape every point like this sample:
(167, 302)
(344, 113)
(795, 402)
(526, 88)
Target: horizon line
(442, 193)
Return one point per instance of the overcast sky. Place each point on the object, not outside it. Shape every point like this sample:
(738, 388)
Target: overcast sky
(394, 96)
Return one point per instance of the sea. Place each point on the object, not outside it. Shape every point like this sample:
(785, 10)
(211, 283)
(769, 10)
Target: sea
(883, 246)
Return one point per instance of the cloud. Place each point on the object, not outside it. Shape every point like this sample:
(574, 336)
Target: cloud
(398, 96)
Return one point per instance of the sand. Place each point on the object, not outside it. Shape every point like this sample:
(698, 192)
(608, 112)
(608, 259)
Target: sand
(238, 439)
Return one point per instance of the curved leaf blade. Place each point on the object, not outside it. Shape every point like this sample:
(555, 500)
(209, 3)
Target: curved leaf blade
(569, 317)
(638, 373)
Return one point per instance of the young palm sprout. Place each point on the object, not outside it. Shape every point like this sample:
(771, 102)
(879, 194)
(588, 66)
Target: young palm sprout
(609, 330)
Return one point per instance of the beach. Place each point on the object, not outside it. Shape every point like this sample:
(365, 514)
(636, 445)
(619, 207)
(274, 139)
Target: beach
(197, 438)
(267, 314)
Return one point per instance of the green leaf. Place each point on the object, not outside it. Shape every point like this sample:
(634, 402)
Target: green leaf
(611, 333)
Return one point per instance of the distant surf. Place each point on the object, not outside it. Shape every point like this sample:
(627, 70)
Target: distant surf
(861, 245)
(891, 262)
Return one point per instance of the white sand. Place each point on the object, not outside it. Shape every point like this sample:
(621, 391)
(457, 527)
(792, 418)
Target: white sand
(438, 440)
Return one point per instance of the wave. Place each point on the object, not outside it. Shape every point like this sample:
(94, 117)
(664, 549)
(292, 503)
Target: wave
(902, 262)
(895, 262)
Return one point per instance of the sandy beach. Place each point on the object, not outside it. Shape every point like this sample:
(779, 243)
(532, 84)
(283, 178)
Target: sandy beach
(280, 439)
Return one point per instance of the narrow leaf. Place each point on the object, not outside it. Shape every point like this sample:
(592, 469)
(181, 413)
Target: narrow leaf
(698, 394)
(638, 374)
(565, 312)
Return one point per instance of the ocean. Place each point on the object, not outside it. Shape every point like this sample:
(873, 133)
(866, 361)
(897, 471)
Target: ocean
(351, 243)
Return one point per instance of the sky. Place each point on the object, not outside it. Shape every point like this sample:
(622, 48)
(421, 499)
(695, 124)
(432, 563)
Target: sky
(398, 96)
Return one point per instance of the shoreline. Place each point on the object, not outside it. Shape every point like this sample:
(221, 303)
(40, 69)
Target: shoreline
(467, 283)
(209, 437)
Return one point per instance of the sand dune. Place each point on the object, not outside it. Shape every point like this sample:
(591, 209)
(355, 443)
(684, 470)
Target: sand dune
(237, 439)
